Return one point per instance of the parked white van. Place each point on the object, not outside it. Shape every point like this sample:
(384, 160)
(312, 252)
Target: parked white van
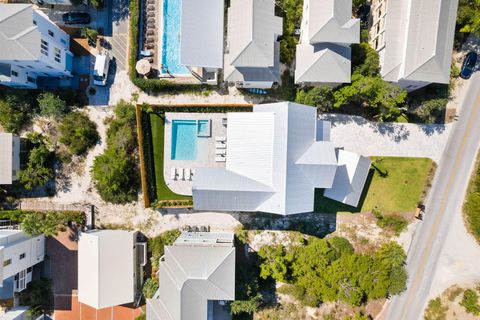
(100, 70)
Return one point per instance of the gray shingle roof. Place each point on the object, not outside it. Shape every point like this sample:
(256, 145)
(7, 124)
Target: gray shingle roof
(18, 33)
(322, 63)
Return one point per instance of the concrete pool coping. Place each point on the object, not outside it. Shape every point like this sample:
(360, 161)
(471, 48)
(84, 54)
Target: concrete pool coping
(217, 130)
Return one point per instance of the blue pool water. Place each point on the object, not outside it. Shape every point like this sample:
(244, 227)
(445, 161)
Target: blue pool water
(202, 129)
(184, 140)
(171, 38)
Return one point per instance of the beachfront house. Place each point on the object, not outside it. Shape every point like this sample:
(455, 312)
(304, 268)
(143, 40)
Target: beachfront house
(9, 158)
(252, 53)
(201, 38)
(414, 39)
(19, 253)
(197, 277)
(276, 156)
(110, 267)
(33, 47)
(323, 55)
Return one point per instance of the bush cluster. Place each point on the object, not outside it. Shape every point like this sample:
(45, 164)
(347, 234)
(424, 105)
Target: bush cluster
(195, 109)
(39, 168)
(115, 172)
(329, 270)
(78, 133)
(472, 204)
(156, 246)
(393, 223)
(171, 203)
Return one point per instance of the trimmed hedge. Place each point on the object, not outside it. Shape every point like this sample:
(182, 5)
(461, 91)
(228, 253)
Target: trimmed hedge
(196, 108)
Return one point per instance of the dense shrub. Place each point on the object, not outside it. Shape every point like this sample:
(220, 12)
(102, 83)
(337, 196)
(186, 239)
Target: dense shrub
(78, 133)
(156, 246)
(468, 17)
(431, 111)
(291, 11)
(150, 286)
(16, 111)
(115, 172)
(470, 302)
(472, 204)
(330, 270)
(51, 105)
(48, 223)
(320, 97)
(38, 170)
(38, 296)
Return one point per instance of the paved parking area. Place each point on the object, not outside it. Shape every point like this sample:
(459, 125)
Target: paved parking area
(388, 139)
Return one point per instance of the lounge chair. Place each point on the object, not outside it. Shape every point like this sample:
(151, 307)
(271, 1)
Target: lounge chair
(192, 172)
(220, 139)
(188, 175)
(173, 173)
(220, 151)
(180, 174)
(220, 159)
(220, 145)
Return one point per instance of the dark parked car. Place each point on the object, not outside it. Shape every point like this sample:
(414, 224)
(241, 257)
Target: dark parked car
(364, 13)
(468, 65)
(76, 18)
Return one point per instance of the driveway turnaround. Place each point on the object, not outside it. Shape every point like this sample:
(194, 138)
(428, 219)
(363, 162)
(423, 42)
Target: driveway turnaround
(388, 139)
(444, 201)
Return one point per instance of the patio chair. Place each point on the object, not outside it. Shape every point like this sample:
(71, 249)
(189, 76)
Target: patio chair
(192, 172)
(151, 14)
(150, 46)
(151, 7)
(219, 139)
(220, 145)
(151, 25)
(220, 151)
(220, 159)
(150, 32)
(150, 1)
(188, 175)
(181, 174)
(151, 20)
(173, 173)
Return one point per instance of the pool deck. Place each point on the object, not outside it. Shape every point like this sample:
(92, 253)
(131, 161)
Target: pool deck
(217, 130)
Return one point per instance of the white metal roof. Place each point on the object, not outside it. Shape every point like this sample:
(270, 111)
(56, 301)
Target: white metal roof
(190, 275)
(6, 158)
(322, 63)
(352, 172)
(106, 268)
(201, 36)
(330, 21)
(419, 40)
(275, 146)
(19, 37)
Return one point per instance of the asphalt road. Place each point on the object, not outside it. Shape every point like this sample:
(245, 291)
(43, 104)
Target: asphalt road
(445, 199)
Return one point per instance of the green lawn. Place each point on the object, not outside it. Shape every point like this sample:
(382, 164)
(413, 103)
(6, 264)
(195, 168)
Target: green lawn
(158, 132)
(394, 184)
(471, 206)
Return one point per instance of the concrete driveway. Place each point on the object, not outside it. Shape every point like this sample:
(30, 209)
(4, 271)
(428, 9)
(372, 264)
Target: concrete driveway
(388, 139)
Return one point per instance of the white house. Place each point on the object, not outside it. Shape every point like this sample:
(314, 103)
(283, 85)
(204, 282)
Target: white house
(110, 267)
(9, 157)
(201, 40)
(18, 253)
(414, 39)
(323, 55)
(276, 156)
(197, 275)
(32, 47)
(252, 54)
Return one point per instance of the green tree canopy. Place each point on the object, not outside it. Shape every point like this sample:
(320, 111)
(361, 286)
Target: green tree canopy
(15, 112)
(38, 170)
(468, 16)
(365, 60)
(51, 105)
(78, 133)
(320, 97)
(385, 99)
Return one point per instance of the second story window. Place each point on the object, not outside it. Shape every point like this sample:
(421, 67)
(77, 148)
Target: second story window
(51, 34)
(57, 55)
(7, 262)
(22, 256)
(14, 73)
(30, 79)
(44, 47)
(34, 22)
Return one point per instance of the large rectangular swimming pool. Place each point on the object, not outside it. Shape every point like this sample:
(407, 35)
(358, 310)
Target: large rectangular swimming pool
(171, 38)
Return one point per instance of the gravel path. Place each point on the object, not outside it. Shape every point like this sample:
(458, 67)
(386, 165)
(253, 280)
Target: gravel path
(388, 139)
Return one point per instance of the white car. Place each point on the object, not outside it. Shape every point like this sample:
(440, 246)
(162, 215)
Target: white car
(100, 70)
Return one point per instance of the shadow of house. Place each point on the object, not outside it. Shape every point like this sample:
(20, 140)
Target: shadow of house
(63, 253)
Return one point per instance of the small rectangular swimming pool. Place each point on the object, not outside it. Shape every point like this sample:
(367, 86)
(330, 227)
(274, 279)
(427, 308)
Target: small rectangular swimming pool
(184, 140)
(203, 128)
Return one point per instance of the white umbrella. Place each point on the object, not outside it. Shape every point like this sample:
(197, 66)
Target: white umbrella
(143, 66)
